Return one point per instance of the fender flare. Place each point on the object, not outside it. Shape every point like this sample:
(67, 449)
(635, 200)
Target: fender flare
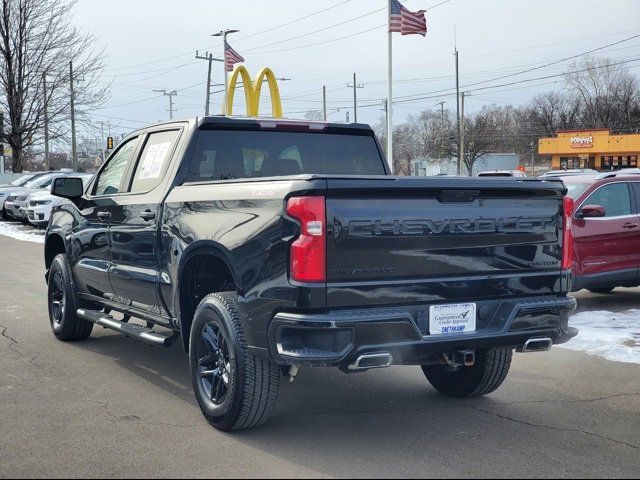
(201, 247)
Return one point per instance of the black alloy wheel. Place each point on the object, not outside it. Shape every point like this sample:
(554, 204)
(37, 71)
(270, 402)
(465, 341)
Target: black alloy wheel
(57, 299)
(214, 363)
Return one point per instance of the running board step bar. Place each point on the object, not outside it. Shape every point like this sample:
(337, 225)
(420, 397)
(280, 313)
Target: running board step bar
(146, 335)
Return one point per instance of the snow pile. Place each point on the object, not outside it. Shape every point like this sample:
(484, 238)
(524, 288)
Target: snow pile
(20, 232)
(614, 336)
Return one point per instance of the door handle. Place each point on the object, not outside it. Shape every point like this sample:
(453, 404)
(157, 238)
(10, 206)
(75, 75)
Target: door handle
(148, 215)
(630, 225)
(104, 215)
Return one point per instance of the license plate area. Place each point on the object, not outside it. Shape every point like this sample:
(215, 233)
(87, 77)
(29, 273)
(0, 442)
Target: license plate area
(452, 319)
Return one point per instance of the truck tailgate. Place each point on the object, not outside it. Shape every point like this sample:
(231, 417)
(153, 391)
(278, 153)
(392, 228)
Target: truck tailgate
(408, 240)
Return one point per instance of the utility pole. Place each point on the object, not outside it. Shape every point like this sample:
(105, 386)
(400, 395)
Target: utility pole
(533, 162)
(1, 142)
(224, 34)
(46, 121)
(324, 102)
(441, 110)
(385, 109)
(458, 110)
(170, 95)
(461, 154)
(355, 87)
(74, 147)
(209, 57)
(102, 139)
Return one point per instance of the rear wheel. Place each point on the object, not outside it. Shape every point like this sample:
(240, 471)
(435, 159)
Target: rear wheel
(65, 324)
(602, 291)
(486, 376)
(234, 389)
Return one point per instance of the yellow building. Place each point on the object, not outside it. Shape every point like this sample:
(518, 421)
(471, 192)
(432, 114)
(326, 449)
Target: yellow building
(597, 149)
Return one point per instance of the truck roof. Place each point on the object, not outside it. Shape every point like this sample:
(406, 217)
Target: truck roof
(271, 122)
(264, 122)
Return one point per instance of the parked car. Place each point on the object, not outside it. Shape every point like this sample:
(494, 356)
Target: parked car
(606, 230)
(503, 173)
(269, 245)
(568, 173)
(6, 190)
(16, 201)
(40, 203)
(18, 181)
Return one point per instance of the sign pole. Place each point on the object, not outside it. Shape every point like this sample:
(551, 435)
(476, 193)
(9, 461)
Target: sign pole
(390, 100)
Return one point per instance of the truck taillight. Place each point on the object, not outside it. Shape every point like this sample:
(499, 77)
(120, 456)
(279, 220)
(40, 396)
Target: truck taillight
(308, 257)
(567, 236)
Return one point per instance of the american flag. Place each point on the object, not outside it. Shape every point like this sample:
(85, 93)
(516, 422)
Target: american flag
(231, 57)
(407, 22)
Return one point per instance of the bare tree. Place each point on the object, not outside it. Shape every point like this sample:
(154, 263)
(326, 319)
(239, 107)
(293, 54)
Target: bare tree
(405, 148)
(608, 93)
(37, 42)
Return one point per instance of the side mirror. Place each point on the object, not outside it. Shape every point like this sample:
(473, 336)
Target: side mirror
(67, 187)
(592, 211)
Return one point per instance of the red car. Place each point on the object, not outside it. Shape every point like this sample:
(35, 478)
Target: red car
(606, 230)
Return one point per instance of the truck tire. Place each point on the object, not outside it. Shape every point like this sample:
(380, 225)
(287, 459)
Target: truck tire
(234, 389)
(65, 324)
(486, 376)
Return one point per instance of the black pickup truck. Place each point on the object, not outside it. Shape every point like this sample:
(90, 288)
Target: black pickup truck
(270, 245)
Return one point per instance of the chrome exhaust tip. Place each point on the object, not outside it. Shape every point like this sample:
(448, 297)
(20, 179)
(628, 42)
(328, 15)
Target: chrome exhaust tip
(537, 345)
(372, 360)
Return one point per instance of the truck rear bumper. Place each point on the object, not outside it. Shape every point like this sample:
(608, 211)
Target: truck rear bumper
(340, 338)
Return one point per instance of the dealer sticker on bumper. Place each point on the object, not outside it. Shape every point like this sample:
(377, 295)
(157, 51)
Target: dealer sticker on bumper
(452, 319)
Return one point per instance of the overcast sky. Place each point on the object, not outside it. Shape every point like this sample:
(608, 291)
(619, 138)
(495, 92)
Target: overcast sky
(151, 45)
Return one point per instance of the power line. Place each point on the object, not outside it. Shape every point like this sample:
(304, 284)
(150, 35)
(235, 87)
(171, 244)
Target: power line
(534, 68)
(439, 94)
(293, 21)
(324, 42)
(297, 37)
(385, 25)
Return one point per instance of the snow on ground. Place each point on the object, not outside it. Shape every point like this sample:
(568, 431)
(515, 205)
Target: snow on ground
(21, 232)
(614, 336)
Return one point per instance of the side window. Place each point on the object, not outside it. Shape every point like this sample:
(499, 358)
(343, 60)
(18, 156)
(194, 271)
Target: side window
(110, 178)
(636, 187)
(155, 159)
(615, 198)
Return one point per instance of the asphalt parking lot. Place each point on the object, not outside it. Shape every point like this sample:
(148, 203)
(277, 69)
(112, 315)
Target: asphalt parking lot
(111, 407)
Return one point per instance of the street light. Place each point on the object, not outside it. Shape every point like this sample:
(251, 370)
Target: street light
(224, 34)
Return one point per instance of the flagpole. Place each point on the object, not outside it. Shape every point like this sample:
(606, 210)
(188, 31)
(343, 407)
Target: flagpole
(390, 100)
(226, 75)
(224, 34)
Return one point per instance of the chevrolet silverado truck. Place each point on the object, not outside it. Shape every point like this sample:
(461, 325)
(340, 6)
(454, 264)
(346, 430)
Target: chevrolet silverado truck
(269, 245)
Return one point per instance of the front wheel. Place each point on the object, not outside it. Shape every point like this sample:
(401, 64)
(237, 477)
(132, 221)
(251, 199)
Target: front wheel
(234, 389)
(65, 323)
(486, 376)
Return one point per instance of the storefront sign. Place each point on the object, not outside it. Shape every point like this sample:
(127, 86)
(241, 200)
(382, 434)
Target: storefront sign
(582, 142)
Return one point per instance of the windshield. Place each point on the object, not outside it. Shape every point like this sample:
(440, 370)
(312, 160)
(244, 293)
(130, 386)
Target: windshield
(221, 155)
(575, 189)
(495, 174)
(42, 181)
(21, 181)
